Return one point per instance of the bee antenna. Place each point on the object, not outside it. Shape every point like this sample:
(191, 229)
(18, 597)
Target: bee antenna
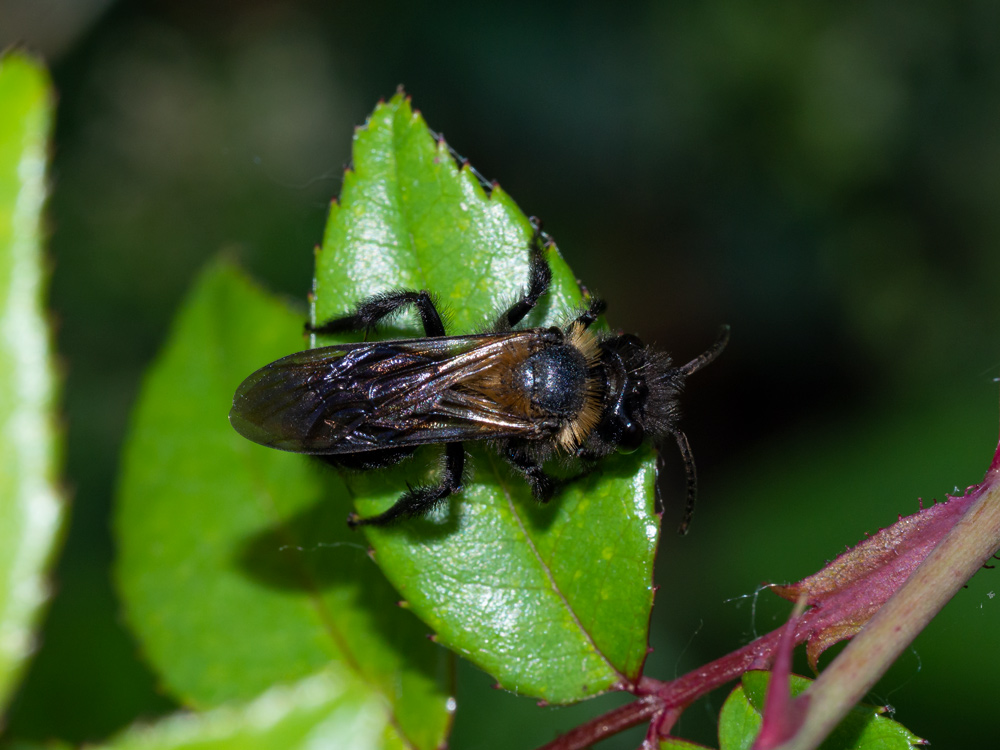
(714, 351)
(691, 473)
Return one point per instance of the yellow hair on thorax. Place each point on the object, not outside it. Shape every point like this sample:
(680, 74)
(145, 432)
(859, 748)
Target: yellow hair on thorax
(575, 431)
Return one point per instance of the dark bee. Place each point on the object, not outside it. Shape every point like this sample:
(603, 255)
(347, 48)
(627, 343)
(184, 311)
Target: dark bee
(531, 393)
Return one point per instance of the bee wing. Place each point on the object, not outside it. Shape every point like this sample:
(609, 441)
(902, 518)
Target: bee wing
(362, 397)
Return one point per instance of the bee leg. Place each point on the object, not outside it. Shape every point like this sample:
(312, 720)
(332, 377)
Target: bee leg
(372, 311)
(539, 279)
(419, 500)
(593, 311)
(379, 459)
(543, 486)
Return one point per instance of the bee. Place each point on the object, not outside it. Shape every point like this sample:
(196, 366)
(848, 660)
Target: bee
(532, 394)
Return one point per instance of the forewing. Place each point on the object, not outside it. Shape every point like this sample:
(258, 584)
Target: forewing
(362, 397)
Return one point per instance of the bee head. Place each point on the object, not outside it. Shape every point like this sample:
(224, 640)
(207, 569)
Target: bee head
(641, 399)
(643, 389)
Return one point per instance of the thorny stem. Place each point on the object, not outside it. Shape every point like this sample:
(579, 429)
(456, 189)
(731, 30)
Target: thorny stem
(668, 699)
(849, 677)
(964, 550)
(607, 725)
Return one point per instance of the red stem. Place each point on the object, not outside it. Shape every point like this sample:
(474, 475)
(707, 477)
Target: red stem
(611, 723)
(665, 701)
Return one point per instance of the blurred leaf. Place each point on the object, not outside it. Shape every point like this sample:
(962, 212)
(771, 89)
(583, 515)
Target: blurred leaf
(236, 567)
(739, 722)
(31, 511)
(865, 728)
(554, 600)
(676, 744)
(320, 711)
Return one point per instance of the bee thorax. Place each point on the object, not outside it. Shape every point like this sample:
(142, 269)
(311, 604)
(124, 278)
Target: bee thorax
(554, 379)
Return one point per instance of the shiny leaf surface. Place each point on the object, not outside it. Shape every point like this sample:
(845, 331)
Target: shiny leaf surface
(553, 600)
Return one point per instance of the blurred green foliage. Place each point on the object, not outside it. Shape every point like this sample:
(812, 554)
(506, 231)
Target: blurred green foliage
(235, 568)
(32, 512)
(823, 178)
(866, 727)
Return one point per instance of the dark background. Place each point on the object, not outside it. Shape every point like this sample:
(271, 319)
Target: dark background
(826, 180)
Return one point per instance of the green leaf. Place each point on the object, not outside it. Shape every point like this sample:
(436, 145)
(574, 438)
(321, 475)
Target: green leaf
(672, 743)
(739, 722)
(31, 510)
(236, 567)
(327, 710)
(553, 601)
(865, 728)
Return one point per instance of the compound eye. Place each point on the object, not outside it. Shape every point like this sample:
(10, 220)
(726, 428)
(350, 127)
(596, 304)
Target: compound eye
(632, 433)
(631, 437)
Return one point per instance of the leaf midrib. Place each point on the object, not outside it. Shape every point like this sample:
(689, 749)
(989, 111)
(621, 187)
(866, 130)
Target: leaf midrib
(502, 483)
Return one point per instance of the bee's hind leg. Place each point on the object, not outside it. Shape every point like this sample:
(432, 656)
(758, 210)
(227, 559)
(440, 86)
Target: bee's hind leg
(419, 500)
(370, 312)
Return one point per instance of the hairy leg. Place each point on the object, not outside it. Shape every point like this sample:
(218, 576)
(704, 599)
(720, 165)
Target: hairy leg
(372, 311)
(539, 279)
(419, 500)
(543, 486)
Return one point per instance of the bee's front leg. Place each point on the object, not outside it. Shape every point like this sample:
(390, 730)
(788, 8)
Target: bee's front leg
(543, 486)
